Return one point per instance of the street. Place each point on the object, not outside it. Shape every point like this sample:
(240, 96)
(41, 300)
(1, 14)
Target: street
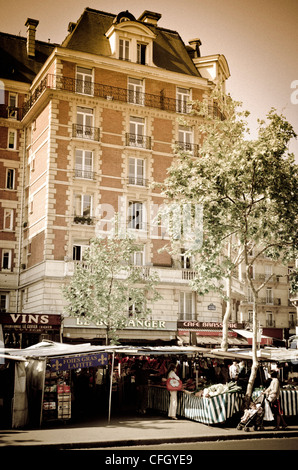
(280, 444)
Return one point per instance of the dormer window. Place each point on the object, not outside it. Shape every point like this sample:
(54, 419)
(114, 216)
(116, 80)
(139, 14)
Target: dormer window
(131, 40)
(141, 53)
(123, 49)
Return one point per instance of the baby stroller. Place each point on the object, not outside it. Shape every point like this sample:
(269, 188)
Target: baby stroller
(253, 414)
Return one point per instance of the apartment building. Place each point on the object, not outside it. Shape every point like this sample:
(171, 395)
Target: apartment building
(86, 128)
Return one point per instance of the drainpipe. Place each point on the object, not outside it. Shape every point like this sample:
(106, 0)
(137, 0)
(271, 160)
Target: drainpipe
(21, 225)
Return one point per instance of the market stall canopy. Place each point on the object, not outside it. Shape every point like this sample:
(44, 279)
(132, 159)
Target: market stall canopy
(49, 349)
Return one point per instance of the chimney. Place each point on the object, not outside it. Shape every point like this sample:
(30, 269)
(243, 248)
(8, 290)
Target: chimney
(31, 30)
(150, 17)
(195, 45)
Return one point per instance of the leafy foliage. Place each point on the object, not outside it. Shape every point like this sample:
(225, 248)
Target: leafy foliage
(106, 287)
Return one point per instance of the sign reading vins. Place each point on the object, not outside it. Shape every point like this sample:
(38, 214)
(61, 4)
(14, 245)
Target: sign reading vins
(79, 362)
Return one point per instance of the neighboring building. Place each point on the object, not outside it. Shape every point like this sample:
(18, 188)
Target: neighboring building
(86, 127)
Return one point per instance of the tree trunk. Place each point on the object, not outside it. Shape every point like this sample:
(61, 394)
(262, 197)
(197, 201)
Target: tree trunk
(255, 363)
(225, 325)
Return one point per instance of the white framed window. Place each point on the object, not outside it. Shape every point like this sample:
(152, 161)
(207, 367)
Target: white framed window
(268, 271)
(135, 91)
(8, 220)
(84, 125)
(136, 132)
(185, 137)
(83, 205)
(269, 295)
(186, 261)
(187, 306)
(269, 319)
(136, 171)
(4, 302)
(136, 215)
(12, 106)
(141, 53)
(10, 178)
(183, 97)
(78, 251)
(84, 81)
(124, 49)
(138, 257)
(12, 139)
(84, 164)
(6, 259)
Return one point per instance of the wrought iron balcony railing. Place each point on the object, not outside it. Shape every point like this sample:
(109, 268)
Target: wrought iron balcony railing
(10, 112)
(85, 132)
(187, 147)
(108, 92)
(85, 174)
(137, 140)
(137, 181)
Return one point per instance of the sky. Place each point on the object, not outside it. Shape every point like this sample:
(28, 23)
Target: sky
(259, 39)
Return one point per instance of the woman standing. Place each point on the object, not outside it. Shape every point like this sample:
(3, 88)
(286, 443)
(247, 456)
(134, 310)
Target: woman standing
(272, 393)
(173, 393)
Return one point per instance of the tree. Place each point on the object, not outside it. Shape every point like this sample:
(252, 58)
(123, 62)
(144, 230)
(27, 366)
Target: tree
(248, 189)
(108, 288)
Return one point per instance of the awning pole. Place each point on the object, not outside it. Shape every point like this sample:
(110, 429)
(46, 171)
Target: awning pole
(111, 385)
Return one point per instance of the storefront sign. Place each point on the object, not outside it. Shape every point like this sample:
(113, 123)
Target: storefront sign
(30, 322)
(79, 362)
(131, 323)
(193, 324)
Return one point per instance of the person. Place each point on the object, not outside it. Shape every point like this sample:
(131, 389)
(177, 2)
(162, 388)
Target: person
(234, 371)
(142, 373)
(173, 393)
(272, 393)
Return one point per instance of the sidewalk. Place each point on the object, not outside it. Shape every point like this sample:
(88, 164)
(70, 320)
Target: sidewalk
(128, 431)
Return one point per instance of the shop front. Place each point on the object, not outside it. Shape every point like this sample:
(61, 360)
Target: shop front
(136, 332)
(209, 334)
(21, 330)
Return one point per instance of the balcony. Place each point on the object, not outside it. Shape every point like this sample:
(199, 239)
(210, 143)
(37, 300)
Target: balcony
(137, 181)
(137, 140)
(193, 149)
(10, 112)
(84, 174)
(85, 132)
(88, 88)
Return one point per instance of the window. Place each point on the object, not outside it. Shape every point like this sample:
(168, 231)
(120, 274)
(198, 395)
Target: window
(137, 258)
(136, 171)
(141, 53)
(134, 308)
(292, 319)
(187, 306)
(6, 259)
(136, 132)
(4, 301)
(136, 216)
(269, 319)
(83, 205)
(78, 251)
(84, 164)
(12, 139)
(123, 49)
(84, 126)
(183, 97)
(84, 82)
(186, 261)
(135, 91)
(10, 178)
(269, 296)
(8, 220)
(185, 137)
(268, 271)
(12, 106)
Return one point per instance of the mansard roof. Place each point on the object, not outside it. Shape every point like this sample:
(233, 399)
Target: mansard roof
(14, 61)
(88, 35)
